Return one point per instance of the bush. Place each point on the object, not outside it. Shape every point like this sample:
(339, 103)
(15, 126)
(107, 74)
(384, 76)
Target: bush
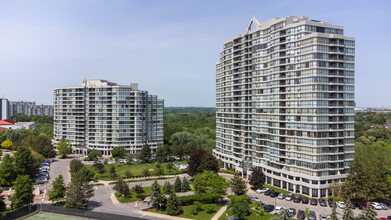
(128, 174)
(241, 198)
(209, 209)
(138, 189)
(202, 198)
(193, 210)
(198, 205)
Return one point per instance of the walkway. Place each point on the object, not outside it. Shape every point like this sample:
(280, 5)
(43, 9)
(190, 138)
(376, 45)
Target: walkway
(222, 210)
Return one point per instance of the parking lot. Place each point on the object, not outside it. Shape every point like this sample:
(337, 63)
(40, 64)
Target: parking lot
(300, 206)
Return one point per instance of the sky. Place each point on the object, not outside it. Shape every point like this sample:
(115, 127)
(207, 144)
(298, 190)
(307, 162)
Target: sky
(170, 48)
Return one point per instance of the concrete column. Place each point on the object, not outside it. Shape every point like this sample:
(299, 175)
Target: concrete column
(310, 191)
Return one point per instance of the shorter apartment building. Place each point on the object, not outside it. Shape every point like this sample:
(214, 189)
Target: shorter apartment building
(98, 114)
(29, 108)
(9, 124)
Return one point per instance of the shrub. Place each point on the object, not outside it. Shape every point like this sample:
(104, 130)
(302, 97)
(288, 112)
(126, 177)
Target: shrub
(241, 198)
(209, 209)
(146, 172)
(202, 198)
(138, 189)
(128, 174)
(198, 205)
(193, 210)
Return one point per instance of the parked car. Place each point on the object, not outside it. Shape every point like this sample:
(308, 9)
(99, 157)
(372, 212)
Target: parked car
(384, 206)
(291, 212)
(340, 204)
(305, 201)
(289, 197)
(376, 205)
(267, 192)
(281, 196)
(389, 217)
(262, 205)
(313, 216)
(261, 190)
(322, 217)
(274, 194)
(330, 201)
(297, 199)
(301, 215)
(314, 202)
(322, 202)
(278, 210)
(268, 208)
(255, 199)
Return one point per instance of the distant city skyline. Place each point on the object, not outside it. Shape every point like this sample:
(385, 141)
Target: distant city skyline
(170, 48)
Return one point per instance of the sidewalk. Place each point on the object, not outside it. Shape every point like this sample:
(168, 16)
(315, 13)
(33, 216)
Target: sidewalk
(157, 215)
(222, 210)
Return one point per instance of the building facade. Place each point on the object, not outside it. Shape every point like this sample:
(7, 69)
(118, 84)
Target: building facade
(4, 109)
(29, 108)
(285, 103)
(102, 115)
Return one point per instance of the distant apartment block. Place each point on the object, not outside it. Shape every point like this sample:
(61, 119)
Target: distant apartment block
(102, 115)
(29, 108)
(285, 103)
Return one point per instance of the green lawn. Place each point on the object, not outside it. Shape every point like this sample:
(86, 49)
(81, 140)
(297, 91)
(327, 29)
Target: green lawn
(133, 196)
(48, 216)
(144, 180)
(202, 215)
(135, 169)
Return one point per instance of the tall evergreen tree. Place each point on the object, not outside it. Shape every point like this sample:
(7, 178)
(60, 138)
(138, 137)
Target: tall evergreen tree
(333, 215)
(122, 187)
(173, 204)
(167, 188)
(23, 195)
(368, 213)
(257, 178)
(75, 166)
(7, 171)
(145, 153)
(178, 184)
(57, 193)
(238, 185)
(348, 212)
(157, 198)
(185, 187)
(79, 191)
(2, 204)
(25, 164)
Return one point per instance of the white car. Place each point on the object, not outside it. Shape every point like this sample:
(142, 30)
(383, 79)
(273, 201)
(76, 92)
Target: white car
(255, 199)
(340, 205)
(281, 196)
(376, 205)
(289, 197)
(278, 210)
(261, 190)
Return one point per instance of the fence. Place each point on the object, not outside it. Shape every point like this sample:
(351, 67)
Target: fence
(20, 212)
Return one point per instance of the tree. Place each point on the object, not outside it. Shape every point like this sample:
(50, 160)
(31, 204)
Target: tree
(159, 171)
(162, 152)
(23, 191)
(201, 160)
(241, 210)
(6, 144)
(93, 155)
(257, 178)
(180, 143)
(210, 182)
(138, 189)
(145, 153)
(157, 198)
(307, 213)
(122, 187)
(146, 172)
(333, 215)
(368, 213)
(173, 204)
(75, 166)
(185, 187)
(112, 172)
(57, 193)
(118, 152)
(178, 184)
(79, 191)
(64, 148)
(7, 171)
(238, 185)
(42, 145)
(128, 174)
(335, 188)
(25, 164)
(348, 212)
(167, 188)
(2, 204)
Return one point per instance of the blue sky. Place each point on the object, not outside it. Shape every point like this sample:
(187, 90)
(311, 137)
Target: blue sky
(169, 47)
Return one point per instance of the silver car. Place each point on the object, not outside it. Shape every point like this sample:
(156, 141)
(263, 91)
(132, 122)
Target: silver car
(384, 206)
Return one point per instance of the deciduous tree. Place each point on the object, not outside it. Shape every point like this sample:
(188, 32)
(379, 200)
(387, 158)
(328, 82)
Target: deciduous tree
(210, 182)
(238, 185)
(145, 153)
(6, 144)
(257, 178)
(118, 152)
(64, 147)
(201, 160)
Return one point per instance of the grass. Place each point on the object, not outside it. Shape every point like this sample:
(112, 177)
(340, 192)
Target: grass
(132, 197)
(252, 216)
(50, 217)
(135, 169)
(228, 171)
(202, 215)
(143, 180)
(282, 191)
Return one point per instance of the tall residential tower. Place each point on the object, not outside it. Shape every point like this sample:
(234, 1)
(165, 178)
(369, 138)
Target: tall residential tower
(103, 115)
(285, 103)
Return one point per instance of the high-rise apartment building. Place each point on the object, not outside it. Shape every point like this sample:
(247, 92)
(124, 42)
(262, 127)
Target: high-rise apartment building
(102, 115)
(285, 103)
(4, 109)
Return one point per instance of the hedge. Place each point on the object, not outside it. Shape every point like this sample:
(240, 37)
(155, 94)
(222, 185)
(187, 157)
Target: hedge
(203, 198)
(241, 198)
